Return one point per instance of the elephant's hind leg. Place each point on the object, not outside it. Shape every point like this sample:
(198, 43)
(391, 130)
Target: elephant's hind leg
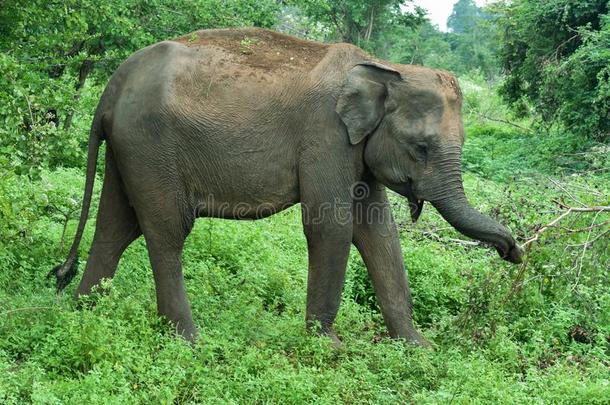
(116, 227)
(172, 301)
(165, 226)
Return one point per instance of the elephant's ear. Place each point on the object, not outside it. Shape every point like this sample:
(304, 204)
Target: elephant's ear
(361, 103)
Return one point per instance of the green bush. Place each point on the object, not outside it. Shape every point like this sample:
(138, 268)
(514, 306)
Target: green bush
(556, 59)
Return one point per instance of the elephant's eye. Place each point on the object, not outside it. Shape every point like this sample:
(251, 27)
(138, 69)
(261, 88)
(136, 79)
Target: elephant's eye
(422, 150)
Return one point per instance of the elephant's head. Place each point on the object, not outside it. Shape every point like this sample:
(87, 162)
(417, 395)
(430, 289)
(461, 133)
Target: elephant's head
(410, 119)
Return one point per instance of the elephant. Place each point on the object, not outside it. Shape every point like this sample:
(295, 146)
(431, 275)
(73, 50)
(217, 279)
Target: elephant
(243, 123)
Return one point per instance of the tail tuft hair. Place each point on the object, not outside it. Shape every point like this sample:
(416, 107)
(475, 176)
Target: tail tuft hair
(64, 273)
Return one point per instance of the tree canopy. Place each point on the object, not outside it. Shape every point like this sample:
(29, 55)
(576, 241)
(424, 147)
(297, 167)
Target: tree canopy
(465, 16)
(362, 22)
(556, 57)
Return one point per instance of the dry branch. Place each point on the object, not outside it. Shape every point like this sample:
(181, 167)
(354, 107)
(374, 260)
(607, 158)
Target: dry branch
(503, 121)
(439, 238)
(565, 190)
(12, 311)
(569, 210)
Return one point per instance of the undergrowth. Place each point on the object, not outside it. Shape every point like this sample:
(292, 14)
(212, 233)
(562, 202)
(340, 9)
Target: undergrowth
(502, 334)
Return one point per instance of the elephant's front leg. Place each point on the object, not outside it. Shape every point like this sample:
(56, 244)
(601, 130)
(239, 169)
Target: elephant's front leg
(328, 229)
(376, 238)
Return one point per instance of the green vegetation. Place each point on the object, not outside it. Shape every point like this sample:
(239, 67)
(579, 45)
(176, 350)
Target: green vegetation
(556, 55)
(502, 334)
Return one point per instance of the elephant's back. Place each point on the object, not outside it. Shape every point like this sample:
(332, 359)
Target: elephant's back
(258, 49)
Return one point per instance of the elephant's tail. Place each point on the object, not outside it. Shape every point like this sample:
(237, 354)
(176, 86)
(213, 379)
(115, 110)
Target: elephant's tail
(64, 273)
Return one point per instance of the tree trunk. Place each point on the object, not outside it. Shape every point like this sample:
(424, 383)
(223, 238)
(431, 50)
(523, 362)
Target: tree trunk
(369, 30)
(85, 68)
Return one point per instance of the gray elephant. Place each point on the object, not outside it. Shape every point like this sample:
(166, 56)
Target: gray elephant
(243, 123)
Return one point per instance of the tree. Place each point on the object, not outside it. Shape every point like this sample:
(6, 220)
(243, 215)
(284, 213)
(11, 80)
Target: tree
(423, 45)
(362, 22)
(473, 38)
(555, 57)
(464, 17)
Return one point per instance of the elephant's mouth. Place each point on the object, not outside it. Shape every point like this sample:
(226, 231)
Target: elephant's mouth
(416, 205)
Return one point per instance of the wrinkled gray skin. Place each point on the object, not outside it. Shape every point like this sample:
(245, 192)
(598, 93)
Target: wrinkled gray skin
(203, 127)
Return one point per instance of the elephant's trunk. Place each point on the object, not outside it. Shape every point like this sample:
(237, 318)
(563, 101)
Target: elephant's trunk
(447, 196)
(463, 217)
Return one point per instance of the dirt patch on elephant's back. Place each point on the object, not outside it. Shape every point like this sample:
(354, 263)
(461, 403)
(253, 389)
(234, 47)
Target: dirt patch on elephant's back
(260, 48)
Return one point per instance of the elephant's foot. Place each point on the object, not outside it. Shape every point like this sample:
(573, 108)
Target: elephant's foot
(416, 338)
(183, 326)
(187, 330)
(328, 332)
(335, 341)
(403, 328)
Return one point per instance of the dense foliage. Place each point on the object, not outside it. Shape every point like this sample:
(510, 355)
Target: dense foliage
(361, 22)
(539, 332)
(397, 30)
(556, 55)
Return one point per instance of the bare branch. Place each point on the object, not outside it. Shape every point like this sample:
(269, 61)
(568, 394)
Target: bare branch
(566, 191)
(12, 311)
(486, 117)
(584, 250)
(596, 208)
(586, 229)
(27, 99)
(569, 211)
(439, 238)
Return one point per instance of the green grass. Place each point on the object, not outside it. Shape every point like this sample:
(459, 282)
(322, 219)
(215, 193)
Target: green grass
(246, 281)
(499, 337)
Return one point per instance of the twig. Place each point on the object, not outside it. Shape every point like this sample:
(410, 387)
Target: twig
(454, 240)
(592, 241)
(518, 280)
(172, 10)
(566, 191)
(594, 208)
(599, 237)
(554, 222)
(540, 231)
(11, 311)
(584, 250)
(486, 117)
(588, 228)
(589, 189)
(561, 45)
(588, 152)
(27, 99)
(527, 245)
